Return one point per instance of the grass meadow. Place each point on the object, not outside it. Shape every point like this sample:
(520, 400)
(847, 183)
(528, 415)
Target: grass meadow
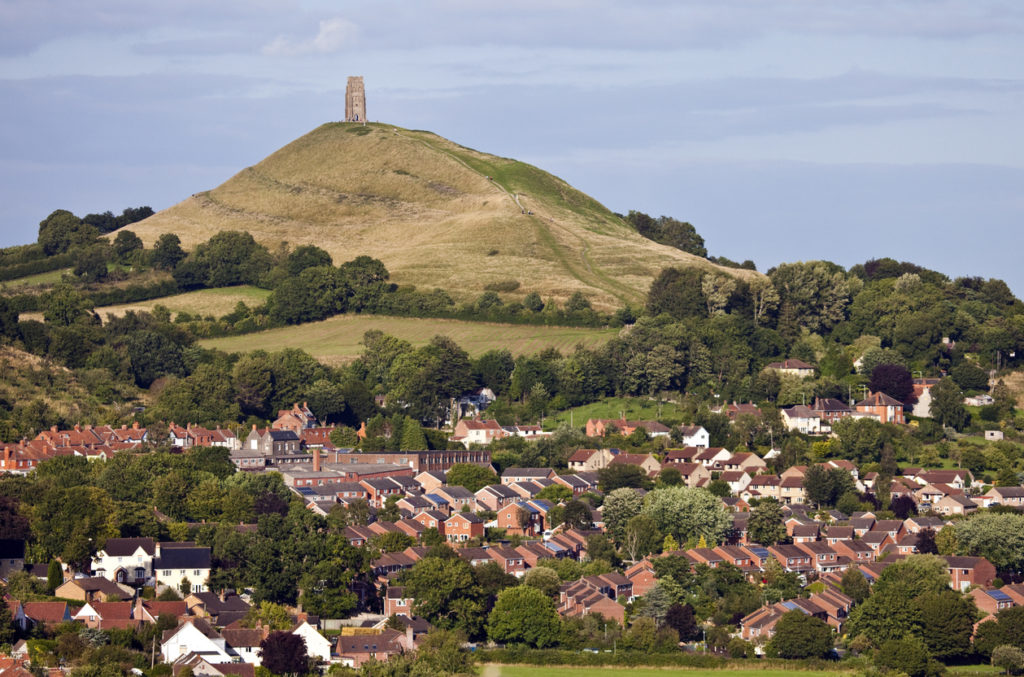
(339, 339)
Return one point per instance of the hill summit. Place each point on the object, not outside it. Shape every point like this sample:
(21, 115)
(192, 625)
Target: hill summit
(436, 213)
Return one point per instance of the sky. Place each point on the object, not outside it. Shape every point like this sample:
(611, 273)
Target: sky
(784, 131)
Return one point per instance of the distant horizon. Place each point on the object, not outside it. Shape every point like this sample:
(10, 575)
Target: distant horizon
(782, 133)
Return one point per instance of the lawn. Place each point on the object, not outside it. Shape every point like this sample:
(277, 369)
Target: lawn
(632, 408)
(339, 339)
(562, 671)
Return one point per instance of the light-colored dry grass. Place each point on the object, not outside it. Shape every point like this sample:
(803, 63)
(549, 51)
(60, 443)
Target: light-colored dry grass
(339, 339)
(426, 208)
(205, 302)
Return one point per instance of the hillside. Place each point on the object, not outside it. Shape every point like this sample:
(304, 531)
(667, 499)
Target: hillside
(437, 214)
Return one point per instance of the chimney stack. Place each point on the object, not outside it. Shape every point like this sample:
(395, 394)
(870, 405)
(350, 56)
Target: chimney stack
(316, 459)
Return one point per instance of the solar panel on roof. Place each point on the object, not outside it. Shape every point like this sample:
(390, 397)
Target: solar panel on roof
(999, 595)
(305, 491)
(760, 552)
(790, 605)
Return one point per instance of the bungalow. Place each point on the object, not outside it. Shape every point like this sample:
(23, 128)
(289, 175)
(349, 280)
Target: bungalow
(955, 505)
(96, 589)
(792, 367)
(1011, 496)
(992, 601)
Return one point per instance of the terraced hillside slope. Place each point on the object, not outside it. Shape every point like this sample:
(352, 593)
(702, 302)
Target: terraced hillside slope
(437, 214)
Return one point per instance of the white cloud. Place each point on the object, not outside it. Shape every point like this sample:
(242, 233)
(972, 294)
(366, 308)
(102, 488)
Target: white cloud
(334, 35)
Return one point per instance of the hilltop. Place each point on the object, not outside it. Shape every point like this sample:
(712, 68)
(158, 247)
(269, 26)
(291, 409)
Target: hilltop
(436, 213)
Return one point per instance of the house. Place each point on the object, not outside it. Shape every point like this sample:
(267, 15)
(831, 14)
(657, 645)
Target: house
(791, 490)
(462, 526)
(802, 419)
(431, 480)
(992, 601)
(245, 642)
(495, 497)
(589, 459)
(967, 571)
(221, 609)
(513, 475)
(354, 650)
(954, 505)
(317, 646)
(824, 557)
(476, 431)
(509, 559)
(830, 410)
(431, 519)
(125, 560)
(982, 400)
(46, 613)
(765, 486)
(734, 410)
(920, 399)
(692, 474)
(96, 589)
(198, 666)
(750, 463)
(295, 419)
(694, 436)
(271, 442)
(459, 498)
(107, 615)
(197, 636)
(176, 563)
(396, 603)
(577, 485)
(1011, 496)
(521, 518)
(737, 480)
(884, 408)
(957, 478)
(792, 558)
(642, 576)
(792, 367)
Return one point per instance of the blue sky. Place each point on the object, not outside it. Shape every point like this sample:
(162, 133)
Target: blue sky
(784, 130)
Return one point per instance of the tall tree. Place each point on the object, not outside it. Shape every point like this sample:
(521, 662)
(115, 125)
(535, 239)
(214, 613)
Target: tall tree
(524, 615)
(686, 512)
(283, 653)
(798, 635)
(947, 405)
(766, 524)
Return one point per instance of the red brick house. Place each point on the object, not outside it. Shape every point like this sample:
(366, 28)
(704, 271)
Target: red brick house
(462, 526)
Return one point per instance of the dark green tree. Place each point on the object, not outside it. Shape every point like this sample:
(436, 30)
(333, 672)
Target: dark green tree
(947, 405)
(167, 252)
(283, 653)
(766, 524)
(798, 635)
(524, 615)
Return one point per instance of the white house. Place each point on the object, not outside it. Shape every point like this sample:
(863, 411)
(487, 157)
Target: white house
(695, 436)
(194, 636)
(125, 560)
(175, 562)
(803, 419)
(317, 646)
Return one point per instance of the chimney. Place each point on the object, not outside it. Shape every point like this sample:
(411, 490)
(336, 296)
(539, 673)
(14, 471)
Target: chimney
(223, 595)
(7, 456)
(77, 428)
(254, 427)
(409, 645)
(135, 425)
(53, 429)
(316, 459)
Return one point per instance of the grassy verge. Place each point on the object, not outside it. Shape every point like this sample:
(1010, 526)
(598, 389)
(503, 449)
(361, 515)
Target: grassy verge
(339, 339)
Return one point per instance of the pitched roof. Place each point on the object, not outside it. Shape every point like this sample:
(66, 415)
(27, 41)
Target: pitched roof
(123, 547)
(182, 558)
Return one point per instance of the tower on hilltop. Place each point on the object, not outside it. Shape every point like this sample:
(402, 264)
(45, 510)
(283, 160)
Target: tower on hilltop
(355, 100)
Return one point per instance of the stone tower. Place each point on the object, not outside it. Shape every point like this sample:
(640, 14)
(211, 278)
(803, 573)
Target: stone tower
(355, 100)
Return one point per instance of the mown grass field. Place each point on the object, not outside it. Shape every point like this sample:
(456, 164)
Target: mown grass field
(564, 671)
(632, 408)
(339, 339)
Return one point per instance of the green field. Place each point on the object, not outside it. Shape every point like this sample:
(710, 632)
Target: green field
(339, 339)
(632, 408)
(560, 671)
(52, 277)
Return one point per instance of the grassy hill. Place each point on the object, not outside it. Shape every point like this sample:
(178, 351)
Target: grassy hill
(339, 339)
(436, 213)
